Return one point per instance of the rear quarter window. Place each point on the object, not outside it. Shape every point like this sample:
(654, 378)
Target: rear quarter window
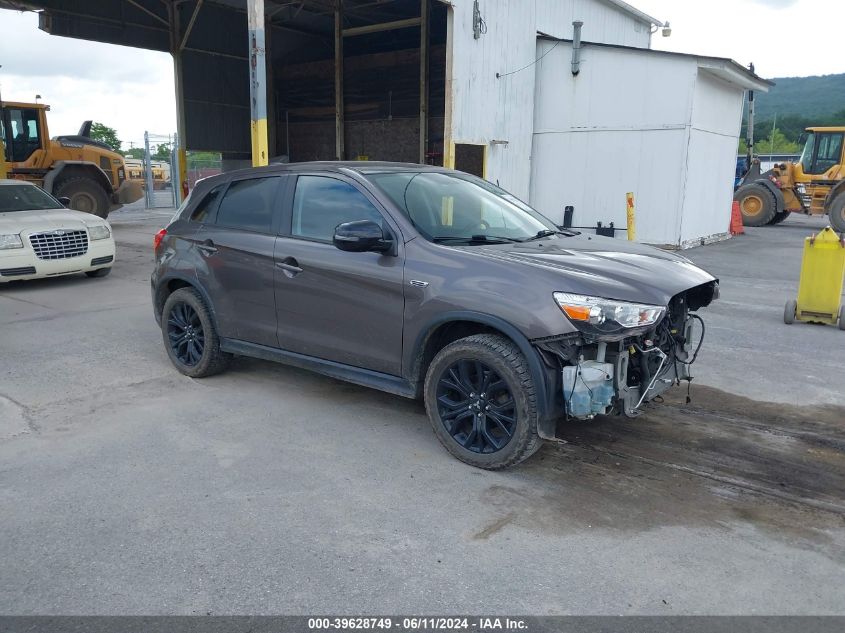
(248, 204)
(203, 210)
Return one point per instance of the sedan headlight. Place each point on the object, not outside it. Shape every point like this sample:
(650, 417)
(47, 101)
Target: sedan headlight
(98, 232)
(10, 241)
(603, 317)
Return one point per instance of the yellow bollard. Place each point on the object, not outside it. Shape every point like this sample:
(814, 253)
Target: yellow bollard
(820, 285)
(632, 225)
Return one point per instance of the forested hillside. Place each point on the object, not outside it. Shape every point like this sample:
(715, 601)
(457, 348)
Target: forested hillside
(793, 104)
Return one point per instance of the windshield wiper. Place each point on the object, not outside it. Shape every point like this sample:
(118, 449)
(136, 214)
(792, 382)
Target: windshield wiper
(486, 239)
(548, 233)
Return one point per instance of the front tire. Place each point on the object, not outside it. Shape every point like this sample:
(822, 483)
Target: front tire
(85, 195)
(757, 204)
(189, 335)
(780, 217)
(481, 402)
(836, 211)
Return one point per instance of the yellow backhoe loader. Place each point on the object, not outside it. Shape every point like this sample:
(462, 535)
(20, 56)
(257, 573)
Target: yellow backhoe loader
(79, 168)
(815, 185)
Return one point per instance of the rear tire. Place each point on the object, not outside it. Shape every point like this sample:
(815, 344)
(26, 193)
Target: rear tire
(789, 311)
(757, 204)
(100, 272)
(836, 211)
(481, 402)
(780, 217)
(190, 337)
(85, 195)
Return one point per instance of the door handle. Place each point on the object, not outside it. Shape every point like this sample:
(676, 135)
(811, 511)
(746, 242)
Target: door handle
(207, 247)
(290, 266)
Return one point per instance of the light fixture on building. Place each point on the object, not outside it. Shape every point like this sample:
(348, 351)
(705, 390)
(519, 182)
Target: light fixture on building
(499, 142)
(666, 29)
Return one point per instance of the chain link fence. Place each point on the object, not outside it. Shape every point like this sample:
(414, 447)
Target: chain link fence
(156, 172)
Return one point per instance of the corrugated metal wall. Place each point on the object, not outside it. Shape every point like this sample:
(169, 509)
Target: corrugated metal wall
(639, 121)
(486, 108)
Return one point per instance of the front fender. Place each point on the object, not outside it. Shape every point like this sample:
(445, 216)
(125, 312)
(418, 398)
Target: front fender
(545, 378)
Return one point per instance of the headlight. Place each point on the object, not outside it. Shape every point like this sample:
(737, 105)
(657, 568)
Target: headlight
(98, 232)
(10, 241)
(594, 315)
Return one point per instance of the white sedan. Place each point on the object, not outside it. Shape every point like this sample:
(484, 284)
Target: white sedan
(39, 237)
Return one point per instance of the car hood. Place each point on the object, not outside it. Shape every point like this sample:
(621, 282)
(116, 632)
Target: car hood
(29, 221)
(604, 267)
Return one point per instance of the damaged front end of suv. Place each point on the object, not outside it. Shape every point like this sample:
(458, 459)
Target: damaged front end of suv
(624, 354)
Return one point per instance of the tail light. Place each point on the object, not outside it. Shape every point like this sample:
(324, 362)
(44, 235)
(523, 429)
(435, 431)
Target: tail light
(158, 237)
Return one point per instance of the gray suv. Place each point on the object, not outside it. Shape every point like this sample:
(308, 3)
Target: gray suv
(426, 283)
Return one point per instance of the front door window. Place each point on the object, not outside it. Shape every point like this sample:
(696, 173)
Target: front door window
(21, 133)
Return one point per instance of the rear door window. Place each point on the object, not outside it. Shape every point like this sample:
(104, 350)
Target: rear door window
(204, 210)
(248, 204)
(321, 203)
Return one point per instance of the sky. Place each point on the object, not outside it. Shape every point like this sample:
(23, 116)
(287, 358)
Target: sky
(132, 90)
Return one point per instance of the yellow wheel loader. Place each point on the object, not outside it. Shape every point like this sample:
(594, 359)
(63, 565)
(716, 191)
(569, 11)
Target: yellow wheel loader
(814, 186)
(87, 172)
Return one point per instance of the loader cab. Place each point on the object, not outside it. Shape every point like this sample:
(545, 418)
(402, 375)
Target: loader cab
(822, 150)
(23, 129)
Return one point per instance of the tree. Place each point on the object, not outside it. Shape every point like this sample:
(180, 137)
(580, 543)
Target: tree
(105, 134)
(135, 152)
(162, 152)
(777, 143)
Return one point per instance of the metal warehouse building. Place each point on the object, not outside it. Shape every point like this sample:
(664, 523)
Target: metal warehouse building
(492, 87)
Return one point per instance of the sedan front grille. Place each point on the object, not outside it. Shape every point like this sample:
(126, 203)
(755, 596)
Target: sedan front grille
(59, 244)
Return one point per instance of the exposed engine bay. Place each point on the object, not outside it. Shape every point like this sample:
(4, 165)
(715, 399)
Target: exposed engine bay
(618, 374)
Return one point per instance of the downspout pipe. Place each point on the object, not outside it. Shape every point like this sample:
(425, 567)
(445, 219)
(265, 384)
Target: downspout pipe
(576, 47)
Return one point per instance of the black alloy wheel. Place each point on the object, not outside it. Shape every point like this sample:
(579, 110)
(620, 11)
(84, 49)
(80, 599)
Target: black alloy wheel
(476, 406)
(186, 334)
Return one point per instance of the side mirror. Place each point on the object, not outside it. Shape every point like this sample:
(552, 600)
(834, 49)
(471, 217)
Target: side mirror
(65, 201)
(360, 237)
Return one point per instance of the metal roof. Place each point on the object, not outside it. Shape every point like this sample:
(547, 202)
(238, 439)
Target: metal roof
(722, 67)
(633, 11)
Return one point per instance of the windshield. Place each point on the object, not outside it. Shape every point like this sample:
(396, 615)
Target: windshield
(26, 197)
(449, 207)
(807, 154)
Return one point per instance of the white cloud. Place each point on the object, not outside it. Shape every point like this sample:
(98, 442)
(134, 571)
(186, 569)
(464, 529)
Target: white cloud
(128, 89)
(784, 38)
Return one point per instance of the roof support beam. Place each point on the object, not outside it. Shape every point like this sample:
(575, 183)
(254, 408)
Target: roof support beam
(384, 26)
(148, 12)
(423, 79)
(190, 25)
(339, 128)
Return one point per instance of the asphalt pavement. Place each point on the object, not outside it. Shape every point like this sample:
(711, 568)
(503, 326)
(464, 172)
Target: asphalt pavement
(126, 488)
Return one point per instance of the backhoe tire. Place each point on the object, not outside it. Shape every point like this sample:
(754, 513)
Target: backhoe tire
(85, 195)
(757, 204)
(836, 211)
(780, 217)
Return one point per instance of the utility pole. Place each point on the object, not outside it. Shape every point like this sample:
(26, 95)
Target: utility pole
(749, 132)
(3, 172)
(257, 82)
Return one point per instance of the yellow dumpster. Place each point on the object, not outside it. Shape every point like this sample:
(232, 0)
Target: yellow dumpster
(820, 286)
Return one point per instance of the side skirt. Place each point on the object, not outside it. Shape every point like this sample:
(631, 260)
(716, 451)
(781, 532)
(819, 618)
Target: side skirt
(364, 377)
